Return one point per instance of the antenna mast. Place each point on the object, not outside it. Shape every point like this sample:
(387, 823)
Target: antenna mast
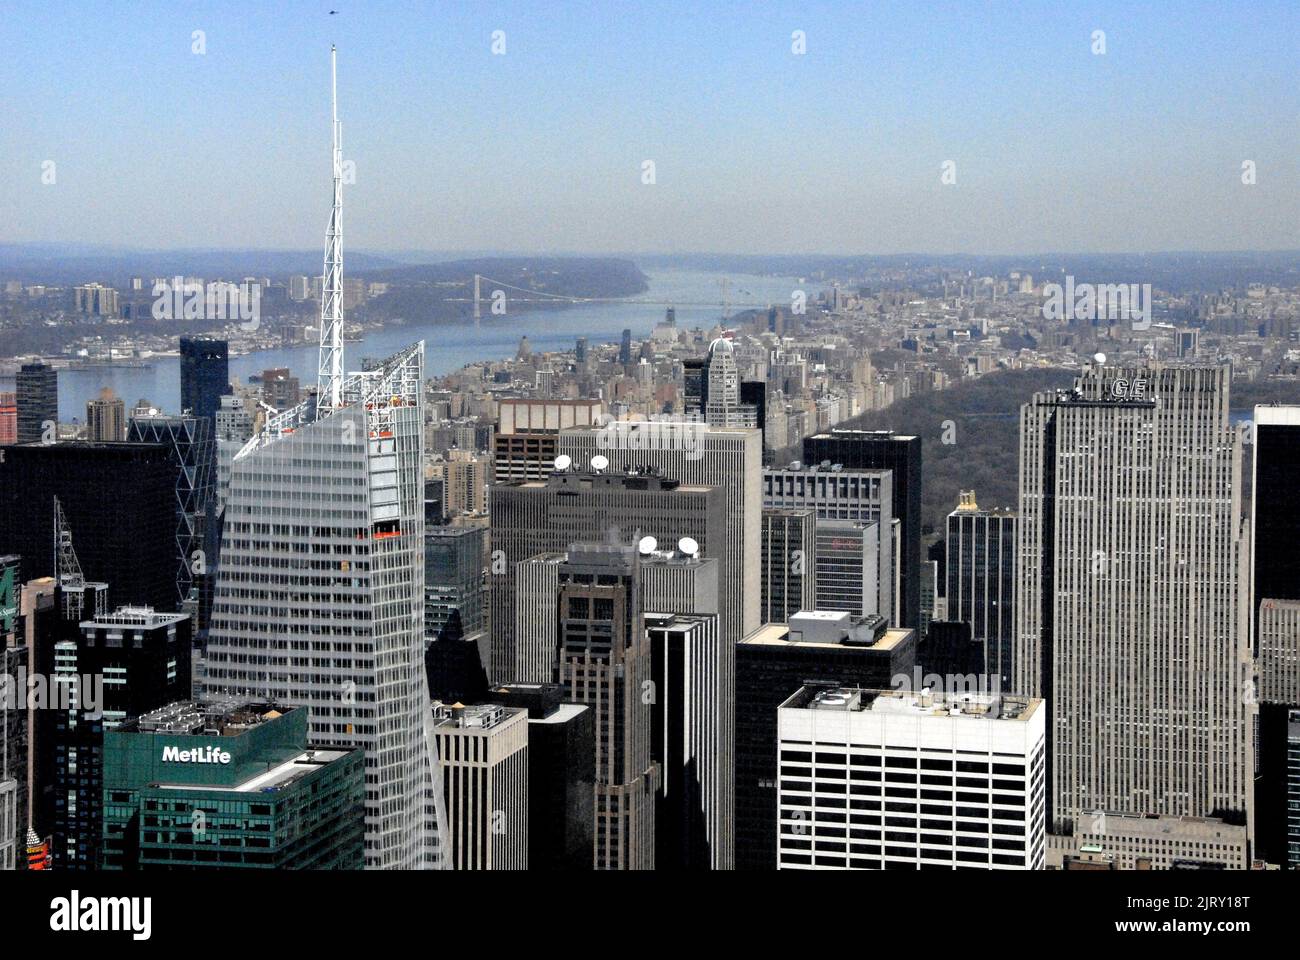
(329, 375)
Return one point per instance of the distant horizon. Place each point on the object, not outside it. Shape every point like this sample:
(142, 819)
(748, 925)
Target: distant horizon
(737, 129)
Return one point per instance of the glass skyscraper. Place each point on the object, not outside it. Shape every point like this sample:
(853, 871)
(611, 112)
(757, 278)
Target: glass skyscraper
(320, 592)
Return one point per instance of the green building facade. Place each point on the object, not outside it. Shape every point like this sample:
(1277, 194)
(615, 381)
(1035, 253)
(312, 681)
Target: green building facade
(195, 787)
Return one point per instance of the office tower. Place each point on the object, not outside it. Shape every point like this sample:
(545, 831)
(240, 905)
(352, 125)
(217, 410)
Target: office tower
(771, 665)
(189, 441)
(37, 387)
(841, 500)
(528, 434)
(1188, 342)
(722, 401)
(483, 749)
(561, 775)
(885, 450)
(580, 350)
(280, 389)
(205, 375)
(528, 519)
(692, 739)
(789, 563)
(1275, 524)
(1278, 658)
(299, 287)
(849, 568)
(678, 580)
(975, 762)
(230, 785)
(8, 418)
(454, 567)
(981, 566)
(536, 616)
(693, 388)
(106, 418)
(625, 348)
(124, 665)
(605, 662)
(453, 663)
(1275, 820)
(948, 653)
(120, 501)
(320, 592)
(1129, 602)
(696, 454)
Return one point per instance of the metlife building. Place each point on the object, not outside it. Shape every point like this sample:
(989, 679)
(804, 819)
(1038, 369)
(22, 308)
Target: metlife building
(230, 784)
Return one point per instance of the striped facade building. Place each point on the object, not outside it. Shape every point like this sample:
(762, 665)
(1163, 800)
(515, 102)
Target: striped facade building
(1130, 610)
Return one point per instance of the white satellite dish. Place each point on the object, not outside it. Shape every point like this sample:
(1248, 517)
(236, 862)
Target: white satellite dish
(563, 462)
(1100, 358)
(599, 462)
(688, 546)
(647, 545)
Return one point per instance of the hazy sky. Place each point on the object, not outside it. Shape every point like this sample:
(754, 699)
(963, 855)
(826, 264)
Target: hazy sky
(756, 149)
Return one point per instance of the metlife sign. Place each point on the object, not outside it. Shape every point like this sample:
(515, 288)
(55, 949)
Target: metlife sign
(208, 754)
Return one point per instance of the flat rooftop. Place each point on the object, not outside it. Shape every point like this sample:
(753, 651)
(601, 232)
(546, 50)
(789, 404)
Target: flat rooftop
(275, 779)
(926, 703)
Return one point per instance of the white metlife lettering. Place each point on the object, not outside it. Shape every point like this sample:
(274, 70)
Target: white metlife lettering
(208, 754)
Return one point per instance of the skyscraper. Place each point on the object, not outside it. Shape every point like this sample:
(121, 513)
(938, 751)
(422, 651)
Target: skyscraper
(106, 418)
(771, 666)
(605, 662)
(692, 453)
(127, 539)
(895, 743)
(855, 532)
(205, 375)
(529, 519)
(789, 563)
(885, 450)
(1274, 521)
(122, 666)
(37, 387)
(1129, 604)
(483, 749)
(723, 406)
(320, 592)
(981, 567)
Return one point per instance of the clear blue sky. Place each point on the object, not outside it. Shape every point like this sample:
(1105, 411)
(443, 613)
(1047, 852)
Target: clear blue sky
(755, 149)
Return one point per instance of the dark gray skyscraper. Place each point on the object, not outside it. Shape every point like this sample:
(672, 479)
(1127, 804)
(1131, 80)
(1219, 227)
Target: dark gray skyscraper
(605, 662)
(545, 517)
(38, 401)
(1129, 612)
(205, 375)
(981, 567)
(885, 450)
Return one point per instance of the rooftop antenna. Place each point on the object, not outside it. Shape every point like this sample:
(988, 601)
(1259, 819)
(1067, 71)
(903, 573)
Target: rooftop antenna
(329, 375)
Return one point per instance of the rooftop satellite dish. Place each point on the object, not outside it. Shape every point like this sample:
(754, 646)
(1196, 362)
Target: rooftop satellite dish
(599, 462)
(1100, 358)
(688, 546)
(563, 462)
(647, 545)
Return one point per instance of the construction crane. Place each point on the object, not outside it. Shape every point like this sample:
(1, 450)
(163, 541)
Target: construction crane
(67, 572)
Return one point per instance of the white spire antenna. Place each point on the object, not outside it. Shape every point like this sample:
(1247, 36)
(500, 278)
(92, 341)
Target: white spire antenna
(329, 375)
